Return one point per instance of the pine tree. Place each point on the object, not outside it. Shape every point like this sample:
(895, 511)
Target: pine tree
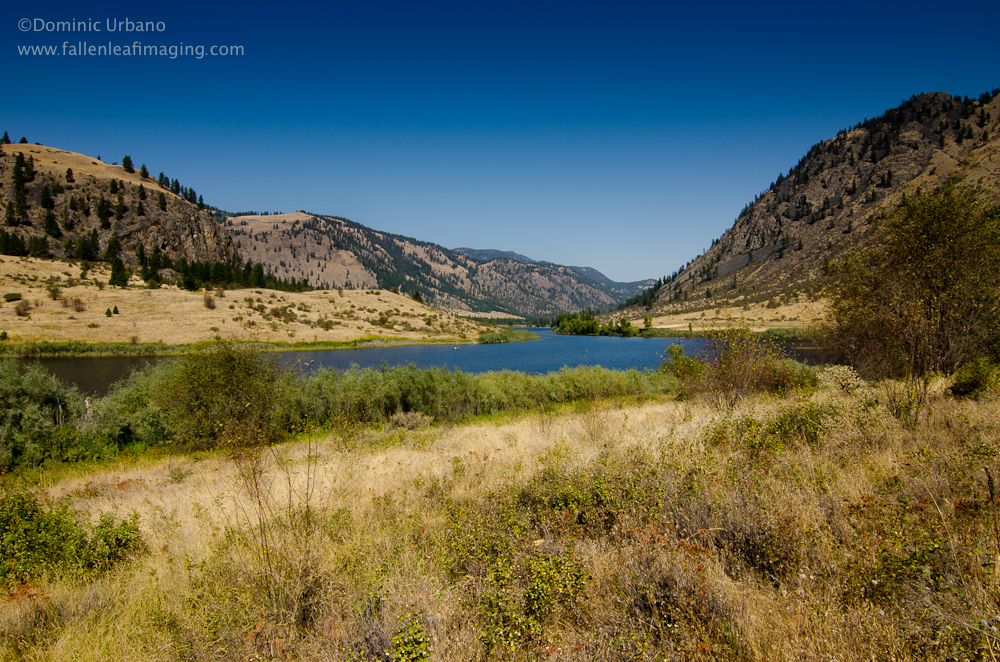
(120, 208)
(104, 212)
(45, 198)
(142, 192)
(127, 164)
(143, 172)
(50, 225)
(69, 176)
(113, 187)
(5, 140)
(119, 275)
(10, 218)
(162, 201)
(114, 247)
(140, 210)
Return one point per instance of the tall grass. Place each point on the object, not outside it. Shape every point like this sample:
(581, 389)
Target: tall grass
(811, 526)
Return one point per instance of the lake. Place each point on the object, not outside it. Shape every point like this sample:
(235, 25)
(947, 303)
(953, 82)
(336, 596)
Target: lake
(94, 375)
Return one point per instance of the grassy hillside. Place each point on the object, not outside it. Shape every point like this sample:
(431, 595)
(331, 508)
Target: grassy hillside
(177, 227)
(61, 301)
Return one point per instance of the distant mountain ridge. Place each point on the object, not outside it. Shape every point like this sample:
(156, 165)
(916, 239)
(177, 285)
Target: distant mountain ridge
(331, 251)
(831, 200)
(487, 254)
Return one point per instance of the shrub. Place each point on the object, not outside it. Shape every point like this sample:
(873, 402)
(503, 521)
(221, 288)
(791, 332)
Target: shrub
(222, 393)
(976, 378)
(925, 295)
(736, 362)
(37, 413)
(22, 308)
(209, 301)
(36, 542)
(12, 296)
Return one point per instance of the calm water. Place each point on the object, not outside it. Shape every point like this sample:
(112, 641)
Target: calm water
(548, 354)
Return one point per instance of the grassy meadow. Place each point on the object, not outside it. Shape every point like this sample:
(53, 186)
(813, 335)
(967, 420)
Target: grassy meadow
(585, 515)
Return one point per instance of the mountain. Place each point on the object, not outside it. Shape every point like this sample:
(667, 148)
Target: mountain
(487, 254)
(784, 241)
(331, 251)
(52, 210)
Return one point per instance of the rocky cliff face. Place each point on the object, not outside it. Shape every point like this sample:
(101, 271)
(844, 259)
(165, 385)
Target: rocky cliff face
(832, 199)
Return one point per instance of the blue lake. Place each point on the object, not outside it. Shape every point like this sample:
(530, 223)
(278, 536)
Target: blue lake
(548, 354)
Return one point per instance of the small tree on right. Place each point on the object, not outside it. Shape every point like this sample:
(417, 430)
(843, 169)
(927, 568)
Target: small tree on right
(924, 295)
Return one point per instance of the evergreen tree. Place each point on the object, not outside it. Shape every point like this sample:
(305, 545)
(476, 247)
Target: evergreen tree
(104, 212)
(119, 275)
(120, 208)
(162, 201)
(21, 206)
(5, 140)
(23, 141)
(113, 248)
(69, 176)
(17, 175)
(50, 225)
(142, 192)
(10, 219)
(113, 187)
(143, 172)
(140, 210)
(127, 164)
(38, 247)
(45, 198)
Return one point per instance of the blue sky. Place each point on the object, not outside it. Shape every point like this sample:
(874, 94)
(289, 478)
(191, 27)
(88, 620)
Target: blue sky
(622, 136)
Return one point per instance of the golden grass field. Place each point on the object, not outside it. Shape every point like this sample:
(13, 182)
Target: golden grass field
(696, 531)
(178, 317)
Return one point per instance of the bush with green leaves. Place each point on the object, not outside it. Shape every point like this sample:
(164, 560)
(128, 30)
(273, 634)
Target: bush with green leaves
(924, 296)
(735, 362)
(221, 393)
(37, 416)
(976, 378)
(39, 541)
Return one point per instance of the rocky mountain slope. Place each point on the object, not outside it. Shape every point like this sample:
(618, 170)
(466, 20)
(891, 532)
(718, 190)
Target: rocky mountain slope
(67, 196)
(332, 252)
(786, 239)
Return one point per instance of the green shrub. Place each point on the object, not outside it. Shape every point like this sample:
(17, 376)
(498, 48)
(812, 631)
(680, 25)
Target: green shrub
(12, 296)
(736, 362)
(221, 393)
(38, 542)
(976, 378)
(37, 416)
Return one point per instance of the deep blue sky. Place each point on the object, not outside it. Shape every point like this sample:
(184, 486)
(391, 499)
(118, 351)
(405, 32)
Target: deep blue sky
(624, 136)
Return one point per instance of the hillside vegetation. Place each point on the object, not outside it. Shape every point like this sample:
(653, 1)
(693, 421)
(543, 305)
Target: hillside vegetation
(329, 251)
(784, 244)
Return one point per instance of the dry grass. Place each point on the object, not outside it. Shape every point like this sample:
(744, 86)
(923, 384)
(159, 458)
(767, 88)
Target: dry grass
(176, 316)
(756, 316)
(813, 527)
